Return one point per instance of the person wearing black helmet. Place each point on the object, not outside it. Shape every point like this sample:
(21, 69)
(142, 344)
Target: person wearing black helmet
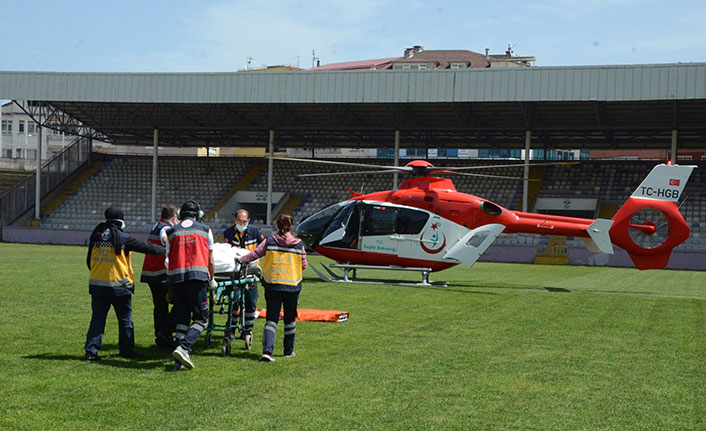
(190, 269)
(112, 282)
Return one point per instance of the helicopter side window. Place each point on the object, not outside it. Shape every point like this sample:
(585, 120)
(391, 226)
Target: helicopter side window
(379, 220)
(410, 222)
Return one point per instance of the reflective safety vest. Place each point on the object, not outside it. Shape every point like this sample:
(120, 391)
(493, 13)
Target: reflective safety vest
(108, 269)
(153, 269)
(188, 252)
(282, 266)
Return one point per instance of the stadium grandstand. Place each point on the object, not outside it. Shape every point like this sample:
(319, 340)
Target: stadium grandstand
(525, 108)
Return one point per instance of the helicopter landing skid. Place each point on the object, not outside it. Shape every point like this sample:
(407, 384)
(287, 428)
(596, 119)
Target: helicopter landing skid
(349, 277)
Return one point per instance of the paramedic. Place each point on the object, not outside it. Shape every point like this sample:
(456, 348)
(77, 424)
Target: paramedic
(111, 282)
(282, 267)
(243, 235)
(191, 267)
(154, 274)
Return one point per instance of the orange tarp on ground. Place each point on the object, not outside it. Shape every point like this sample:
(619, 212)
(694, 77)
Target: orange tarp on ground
(311, 315)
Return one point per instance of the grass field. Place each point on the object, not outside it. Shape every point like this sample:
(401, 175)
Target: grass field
(504, 347)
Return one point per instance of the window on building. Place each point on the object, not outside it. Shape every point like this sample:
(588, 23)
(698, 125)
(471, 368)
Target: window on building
(458, 66)
(7, 153)
(406, 66)
(18, 153)
(7, 126)
(31, 127)
(21, 126)
(31, 154)
(422, 67)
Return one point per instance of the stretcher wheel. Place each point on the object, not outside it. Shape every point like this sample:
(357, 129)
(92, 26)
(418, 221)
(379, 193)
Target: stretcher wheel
(207, 340)
(248, 341)
(225, 349)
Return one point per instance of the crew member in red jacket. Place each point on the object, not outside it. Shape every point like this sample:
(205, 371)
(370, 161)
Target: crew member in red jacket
(191, 268)
(154, 273)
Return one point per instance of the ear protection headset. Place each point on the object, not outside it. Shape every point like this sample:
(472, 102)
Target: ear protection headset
(122, 222)
(198, 215)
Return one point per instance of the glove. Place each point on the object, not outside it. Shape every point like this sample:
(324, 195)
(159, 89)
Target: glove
(213, 284)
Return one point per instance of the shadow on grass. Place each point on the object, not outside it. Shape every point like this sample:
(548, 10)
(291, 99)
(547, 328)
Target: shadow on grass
(515, 287)
(390, 284)
(557, 290)
(154, 358)
(235, 354)
(112, 360)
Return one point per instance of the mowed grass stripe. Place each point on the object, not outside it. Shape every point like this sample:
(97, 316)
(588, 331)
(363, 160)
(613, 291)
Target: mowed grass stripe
(503, 347)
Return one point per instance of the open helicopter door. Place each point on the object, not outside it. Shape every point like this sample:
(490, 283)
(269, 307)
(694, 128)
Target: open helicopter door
(474, 243)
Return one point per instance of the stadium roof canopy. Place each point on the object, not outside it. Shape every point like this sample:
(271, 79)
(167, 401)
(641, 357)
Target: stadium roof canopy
(635, 106)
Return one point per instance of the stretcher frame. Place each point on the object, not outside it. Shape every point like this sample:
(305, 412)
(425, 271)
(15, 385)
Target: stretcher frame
(228, 299)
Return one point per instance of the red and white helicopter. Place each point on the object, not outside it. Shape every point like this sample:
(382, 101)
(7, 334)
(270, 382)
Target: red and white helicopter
(426, 225)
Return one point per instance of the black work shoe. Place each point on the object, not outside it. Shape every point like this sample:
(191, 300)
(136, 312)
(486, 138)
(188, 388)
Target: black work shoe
(266, 358)
(131, 355)
(90, 357)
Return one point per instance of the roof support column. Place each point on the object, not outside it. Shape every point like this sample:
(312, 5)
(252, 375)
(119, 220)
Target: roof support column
(270, 168)
(397, 159)
(673, 152)
(1, 153)
(525, 182)
(38, 189)
(155, 151)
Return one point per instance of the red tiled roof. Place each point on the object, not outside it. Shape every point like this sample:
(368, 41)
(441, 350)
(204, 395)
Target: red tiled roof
(381, 63)
(445, 56)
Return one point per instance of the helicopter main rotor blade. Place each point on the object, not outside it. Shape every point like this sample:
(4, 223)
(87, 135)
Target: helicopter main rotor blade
(514, 165)
(359, 165)
(325, 174)
(490, 176)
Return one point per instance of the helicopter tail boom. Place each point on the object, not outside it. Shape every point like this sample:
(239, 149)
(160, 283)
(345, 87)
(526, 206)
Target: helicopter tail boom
(649, 225)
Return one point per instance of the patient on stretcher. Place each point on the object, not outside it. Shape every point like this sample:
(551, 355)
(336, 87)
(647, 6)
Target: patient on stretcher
(224, 258)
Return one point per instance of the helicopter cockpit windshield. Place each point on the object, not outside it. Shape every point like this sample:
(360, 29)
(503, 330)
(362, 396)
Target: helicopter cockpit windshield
(311, 229)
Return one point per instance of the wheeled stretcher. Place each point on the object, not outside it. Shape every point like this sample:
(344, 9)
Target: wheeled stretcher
(228, 297)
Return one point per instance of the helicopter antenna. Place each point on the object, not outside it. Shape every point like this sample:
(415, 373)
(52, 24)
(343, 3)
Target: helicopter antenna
(362, 186)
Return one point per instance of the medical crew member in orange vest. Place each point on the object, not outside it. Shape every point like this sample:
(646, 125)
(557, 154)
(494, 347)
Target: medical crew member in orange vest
(111, 282)
(154, 273)
(191, 268)
(282, 267)
(243, 235)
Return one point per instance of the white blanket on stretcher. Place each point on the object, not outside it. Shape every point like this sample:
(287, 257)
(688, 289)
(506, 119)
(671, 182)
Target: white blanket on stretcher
(224, 257)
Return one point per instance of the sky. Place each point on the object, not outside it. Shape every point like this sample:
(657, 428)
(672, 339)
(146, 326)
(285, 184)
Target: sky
(220, 36)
